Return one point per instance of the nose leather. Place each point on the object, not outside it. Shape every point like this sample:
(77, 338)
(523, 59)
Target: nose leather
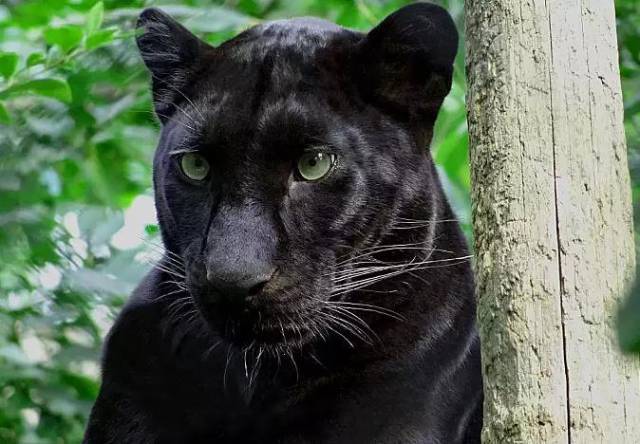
(239, 284)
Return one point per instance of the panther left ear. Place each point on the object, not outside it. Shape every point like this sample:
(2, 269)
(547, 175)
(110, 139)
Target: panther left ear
(172, 54)
(406, 62)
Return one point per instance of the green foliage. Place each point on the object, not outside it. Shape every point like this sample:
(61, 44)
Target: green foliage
(76, 140)
(76, 137)
(628, 13)
(629, 321)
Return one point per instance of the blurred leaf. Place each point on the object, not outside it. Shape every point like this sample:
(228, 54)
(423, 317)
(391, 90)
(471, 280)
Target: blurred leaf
(100, 38)
(124, 265)
(87, 280)
(35, 58)
(8, 64)
(152, 230)
(54, 88)
(85, 387)
(66, 37)
(632, 107)
(14, 354)
(200, 20)
(629, 321)
(94, 18)
(98, 224)
(62, 406)
(5, 118)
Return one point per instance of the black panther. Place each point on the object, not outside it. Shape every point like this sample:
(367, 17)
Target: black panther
(315, 285)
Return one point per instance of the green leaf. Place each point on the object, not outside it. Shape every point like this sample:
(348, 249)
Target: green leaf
(8, 64)
(54, 88)
(85, 387)
(35, 58)
(66, 37)
(4, 115)
(100, 38)
(152, 229)
(94, 19)
(629, 321)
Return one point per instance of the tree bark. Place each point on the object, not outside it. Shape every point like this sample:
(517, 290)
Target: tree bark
(552, 221)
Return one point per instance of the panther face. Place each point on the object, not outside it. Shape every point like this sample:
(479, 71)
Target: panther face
(286, 155)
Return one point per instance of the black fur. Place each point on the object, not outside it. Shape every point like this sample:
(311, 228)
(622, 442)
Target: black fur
(254, 328)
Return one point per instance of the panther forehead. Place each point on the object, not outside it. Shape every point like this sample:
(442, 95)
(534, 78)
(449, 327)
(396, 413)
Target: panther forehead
(303, 36)
(309, 24)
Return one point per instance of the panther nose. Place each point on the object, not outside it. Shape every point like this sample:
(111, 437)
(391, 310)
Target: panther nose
(239, 285)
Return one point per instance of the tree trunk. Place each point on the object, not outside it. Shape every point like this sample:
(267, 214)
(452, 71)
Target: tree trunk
(552, 221)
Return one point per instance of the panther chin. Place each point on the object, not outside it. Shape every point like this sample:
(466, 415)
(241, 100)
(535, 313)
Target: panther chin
(247, 323)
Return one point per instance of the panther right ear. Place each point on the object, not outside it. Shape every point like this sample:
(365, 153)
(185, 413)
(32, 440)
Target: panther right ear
(172, 55)
(405, 64)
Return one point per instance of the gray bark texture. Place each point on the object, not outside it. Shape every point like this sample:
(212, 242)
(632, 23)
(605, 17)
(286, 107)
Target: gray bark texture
(552, 221)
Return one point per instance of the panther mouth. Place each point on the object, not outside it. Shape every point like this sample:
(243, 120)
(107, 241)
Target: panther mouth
(266, 324)
(275, 333)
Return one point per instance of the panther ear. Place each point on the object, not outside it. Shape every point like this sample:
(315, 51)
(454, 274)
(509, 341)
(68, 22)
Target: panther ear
(172, 55)
(406, 62)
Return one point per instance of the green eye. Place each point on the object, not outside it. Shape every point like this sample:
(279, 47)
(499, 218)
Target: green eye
(315, 165)
(194, 166)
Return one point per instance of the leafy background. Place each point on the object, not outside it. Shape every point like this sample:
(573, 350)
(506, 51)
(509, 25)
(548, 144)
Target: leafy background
(77, 227)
